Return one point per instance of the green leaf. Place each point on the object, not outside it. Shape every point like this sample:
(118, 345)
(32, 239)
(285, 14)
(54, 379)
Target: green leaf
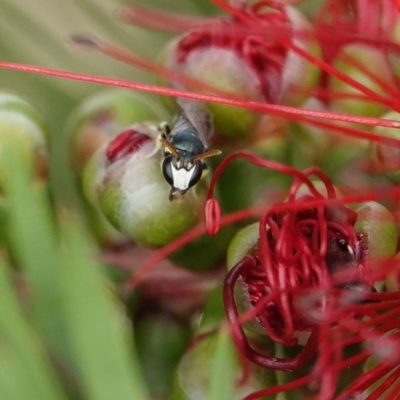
(223, 368)
(24, 370)
(97, 327)
(33, 239)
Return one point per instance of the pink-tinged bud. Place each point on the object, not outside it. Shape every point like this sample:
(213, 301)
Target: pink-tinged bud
(369, 67)
(228, 55)
(126, 183)
(104, 115)
(386, 157)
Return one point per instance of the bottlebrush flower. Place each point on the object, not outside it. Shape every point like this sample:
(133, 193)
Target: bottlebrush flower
(309, 278)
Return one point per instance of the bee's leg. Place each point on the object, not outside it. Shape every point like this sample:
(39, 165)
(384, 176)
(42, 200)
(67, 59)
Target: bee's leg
(163, 130)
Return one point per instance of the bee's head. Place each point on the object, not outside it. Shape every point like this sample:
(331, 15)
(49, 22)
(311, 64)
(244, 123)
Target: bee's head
(181, 177)
(181, 169)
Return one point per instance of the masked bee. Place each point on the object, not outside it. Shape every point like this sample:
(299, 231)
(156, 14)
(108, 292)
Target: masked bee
(185, 147)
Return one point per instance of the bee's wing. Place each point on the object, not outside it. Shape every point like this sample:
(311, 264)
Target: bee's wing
(199, 117)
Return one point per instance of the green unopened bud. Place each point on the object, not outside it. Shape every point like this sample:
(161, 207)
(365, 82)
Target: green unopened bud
(308, 144)
(386, 157)
(104, 115)
(194, 376)
(379, 227)
(372, 60)
(23, 130)
(392, 279)
(23, 127)
(125, 181)
(242, 244)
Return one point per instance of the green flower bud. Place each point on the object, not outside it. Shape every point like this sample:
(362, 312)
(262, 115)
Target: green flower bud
(308, 145)
(21, 125)
(96, 121)
(373, 60)
(104, 115)
(387, 157)
(380, 229)
(242, 244)
(127, 185)
(193, 375)
(392, 279)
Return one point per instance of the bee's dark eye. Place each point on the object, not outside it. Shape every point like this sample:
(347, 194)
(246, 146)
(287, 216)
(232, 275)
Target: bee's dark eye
(197, 172)
(343, 246)
(339, 254)
(167, 170)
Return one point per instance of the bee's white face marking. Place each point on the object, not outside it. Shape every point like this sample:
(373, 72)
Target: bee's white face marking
(181, 177)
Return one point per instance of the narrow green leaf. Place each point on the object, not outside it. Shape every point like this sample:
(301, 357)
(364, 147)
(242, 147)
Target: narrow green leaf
(24, 370)
(33, 239)
(97, 328)
(223, 368)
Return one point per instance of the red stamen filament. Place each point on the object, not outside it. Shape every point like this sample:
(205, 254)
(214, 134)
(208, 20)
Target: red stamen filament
(286, 111)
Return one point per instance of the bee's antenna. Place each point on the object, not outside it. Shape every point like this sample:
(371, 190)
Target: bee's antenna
(170, 147)
(207, 154)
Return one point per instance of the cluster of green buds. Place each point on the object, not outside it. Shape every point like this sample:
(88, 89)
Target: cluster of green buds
(297, 256)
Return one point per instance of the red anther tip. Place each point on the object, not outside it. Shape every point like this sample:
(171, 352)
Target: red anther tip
(212, 212)
(127, 142)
